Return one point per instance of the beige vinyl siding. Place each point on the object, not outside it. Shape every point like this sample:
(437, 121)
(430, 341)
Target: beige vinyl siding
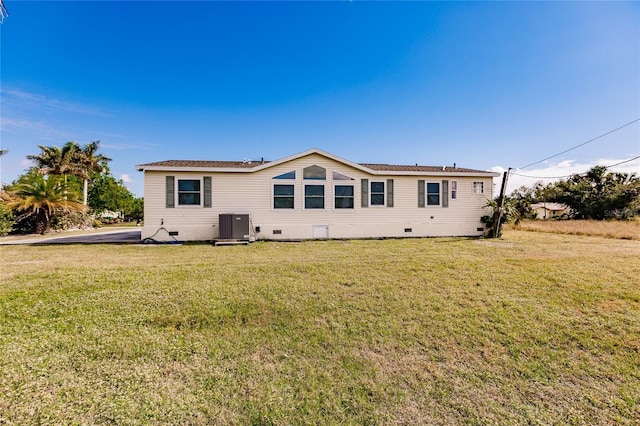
(252, 193)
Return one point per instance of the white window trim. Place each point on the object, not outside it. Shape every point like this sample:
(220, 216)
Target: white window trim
(384, 194)
(426, 194)
(273, 190)
(310, 182)
(176, 195)
(333, 195)
(473, 187)
(324, 179)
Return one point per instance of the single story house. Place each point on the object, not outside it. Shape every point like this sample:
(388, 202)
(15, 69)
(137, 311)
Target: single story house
(313, 194)
(548, 210)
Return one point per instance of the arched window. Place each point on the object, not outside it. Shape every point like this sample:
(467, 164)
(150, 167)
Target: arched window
(314, 173)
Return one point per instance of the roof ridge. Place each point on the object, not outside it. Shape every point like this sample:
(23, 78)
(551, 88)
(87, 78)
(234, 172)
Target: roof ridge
(251, 165)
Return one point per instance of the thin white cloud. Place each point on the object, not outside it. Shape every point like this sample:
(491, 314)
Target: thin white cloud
(19, 99)
(40, 129)
(48, 131)
(126, 178)
(20, 123)
(119, 146)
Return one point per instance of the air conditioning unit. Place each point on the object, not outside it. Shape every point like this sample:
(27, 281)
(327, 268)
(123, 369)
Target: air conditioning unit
(234, 226)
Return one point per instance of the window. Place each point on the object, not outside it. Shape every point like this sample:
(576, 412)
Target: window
(343, 196)
(340, 176)
(314, 173)
(189, 192)
(445, 193)
(377, 193)
(478, 187)
(288, 175)
(454, 189)
(433, 194)
(283, 196)
(314, 196)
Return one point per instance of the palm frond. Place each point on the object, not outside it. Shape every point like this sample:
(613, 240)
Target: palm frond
(4, 13)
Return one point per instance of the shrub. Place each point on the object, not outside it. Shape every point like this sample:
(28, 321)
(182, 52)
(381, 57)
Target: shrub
(6, 220)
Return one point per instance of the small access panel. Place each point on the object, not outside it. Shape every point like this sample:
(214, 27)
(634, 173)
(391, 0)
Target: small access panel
(320, 231)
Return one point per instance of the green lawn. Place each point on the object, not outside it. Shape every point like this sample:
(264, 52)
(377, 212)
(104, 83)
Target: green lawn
(530, 329)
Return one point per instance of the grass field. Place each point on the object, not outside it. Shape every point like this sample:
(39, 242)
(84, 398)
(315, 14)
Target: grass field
(620, 229)
(533, 328)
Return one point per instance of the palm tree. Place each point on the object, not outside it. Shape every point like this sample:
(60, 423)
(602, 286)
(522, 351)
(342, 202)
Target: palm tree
(41, 196)
(56, 161)
(71, 160)
(88, 162)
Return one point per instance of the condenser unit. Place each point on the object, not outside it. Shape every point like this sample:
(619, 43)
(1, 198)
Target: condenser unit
(234, 226)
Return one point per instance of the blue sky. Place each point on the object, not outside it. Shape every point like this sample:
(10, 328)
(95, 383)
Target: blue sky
(487, 85)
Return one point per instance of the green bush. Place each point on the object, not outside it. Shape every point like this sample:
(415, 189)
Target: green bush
(6, 220)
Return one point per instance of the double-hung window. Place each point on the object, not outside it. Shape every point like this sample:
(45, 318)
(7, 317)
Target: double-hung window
(314, 196)
(343, 197)
(189, 192)
(478, 187)
(283, 197)
(314, 192)
(283, 193)
(377, 193)
(181, 192)
(343, 191)
(433, 194)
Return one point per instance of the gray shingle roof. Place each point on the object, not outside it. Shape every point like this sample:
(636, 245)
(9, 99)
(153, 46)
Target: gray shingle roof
(204, 164)
(417, 168)
(251, 164)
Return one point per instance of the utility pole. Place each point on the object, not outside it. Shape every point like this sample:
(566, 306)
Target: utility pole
(497, 214)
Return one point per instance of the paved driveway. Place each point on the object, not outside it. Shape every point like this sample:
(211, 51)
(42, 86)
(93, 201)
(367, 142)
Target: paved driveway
(106, 236)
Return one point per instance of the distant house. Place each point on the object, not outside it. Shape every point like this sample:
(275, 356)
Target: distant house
(313, 194)
(110, 216)
(549, 210)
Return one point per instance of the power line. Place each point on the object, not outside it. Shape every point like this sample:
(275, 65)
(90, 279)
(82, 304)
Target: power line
(543, 177)
(622, 162)
(568, 176)
(582, 144)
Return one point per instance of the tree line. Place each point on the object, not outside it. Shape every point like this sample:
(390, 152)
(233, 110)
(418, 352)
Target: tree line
(67, 187)
(597, 194)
